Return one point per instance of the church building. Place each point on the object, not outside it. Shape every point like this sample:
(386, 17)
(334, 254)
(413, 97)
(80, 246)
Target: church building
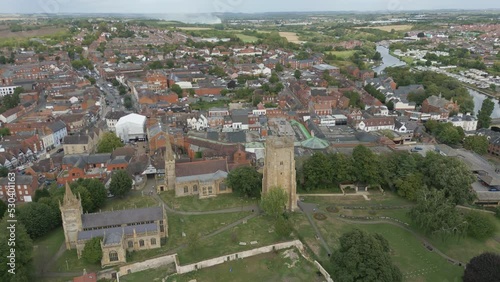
(119, 231)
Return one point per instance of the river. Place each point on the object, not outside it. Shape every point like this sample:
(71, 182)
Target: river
(388, 60)
(478, 102)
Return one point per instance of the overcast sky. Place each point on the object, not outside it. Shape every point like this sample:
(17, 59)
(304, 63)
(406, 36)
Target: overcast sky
(243, 6)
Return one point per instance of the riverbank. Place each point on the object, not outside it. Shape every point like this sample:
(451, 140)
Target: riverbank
(482, 91)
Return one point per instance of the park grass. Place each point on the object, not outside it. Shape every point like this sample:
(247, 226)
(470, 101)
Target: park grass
(177, 224)
(247, 38)
(342, 54)
(376, 199)
(194, 28)
(131, 201)
(46, 247)
(227, 242)
(152, 274)
(388, 28)
(266, 267)
(194, 203)
(69, 262)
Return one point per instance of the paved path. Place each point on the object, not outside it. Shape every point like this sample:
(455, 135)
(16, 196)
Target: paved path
(422, 239)
(309, 209)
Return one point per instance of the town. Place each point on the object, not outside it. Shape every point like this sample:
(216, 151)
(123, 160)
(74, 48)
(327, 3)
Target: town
(264, 146)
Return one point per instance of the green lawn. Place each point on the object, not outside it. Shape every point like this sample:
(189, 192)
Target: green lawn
(69, 262)
(256, 229)
(193, 203)
(343, 54)
(266, 267)
(46, 247)
(247, 38)
(153, 274)
(203, 224)
(129, 202)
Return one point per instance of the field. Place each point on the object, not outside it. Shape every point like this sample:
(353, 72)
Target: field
(388, 28)
(277, 266)
(5, 32)
(291, 37)
(194, 203)
(194, 28)
(415, 261)
(343, 54)
(247, 38)
(46, 247)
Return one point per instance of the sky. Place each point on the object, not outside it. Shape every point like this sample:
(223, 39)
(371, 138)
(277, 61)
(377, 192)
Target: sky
(241, 6)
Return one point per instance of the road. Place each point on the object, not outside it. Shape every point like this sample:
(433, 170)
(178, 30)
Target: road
(110, 99)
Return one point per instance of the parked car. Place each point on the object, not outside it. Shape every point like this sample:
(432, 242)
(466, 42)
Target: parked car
(60, 150)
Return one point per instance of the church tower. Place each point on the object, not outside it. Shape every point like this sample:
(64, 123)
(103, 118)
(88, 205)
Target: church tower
(169, 165)
(279, 168)
(71, 214)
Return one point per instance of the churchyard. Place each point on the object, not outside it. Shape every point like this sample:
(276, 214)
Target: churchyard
(389, 217)
(195, 204)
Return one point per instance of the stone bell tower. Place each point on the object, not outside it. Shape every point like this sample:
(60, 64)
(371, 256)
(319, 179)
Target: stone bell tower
(169, 165)
(71, 214)
(279, 168)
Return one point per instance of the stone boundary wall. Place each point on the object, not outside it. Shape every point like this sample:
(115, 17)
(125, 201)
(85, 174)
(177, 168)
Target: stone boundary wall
(240, 255)
(323, 271)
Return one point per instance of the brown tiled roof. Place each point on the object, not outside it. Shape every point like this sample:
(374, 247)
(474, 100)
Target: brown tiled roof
(198, 168)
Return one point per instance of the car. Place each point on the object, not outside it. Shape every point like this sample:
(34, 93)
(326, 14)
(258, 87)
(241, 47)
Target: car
(60, 150)
(494, 189)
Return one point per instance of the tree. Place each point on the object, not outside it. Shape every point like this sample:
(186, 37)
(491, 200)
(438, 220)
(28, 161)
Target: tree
(24, 253)
(41, 193)
(366, 165)
(274, 78)
(109, 143)
(363, 257)
(480, 225)
(390, 105)
(282, 227)
(121, 183)
(92, 252)
(273, 203)
(3, 208)
(478, 144)
(38, 218)
(156, 65)
(297, 74)
(421, 35)
(278, 67)
(245, 181)
(122, 89)
(318, 172)
(436, 215)
(377, 56)
(177, 90)
(409, 186)
(4, 131)
(4, 171)
(483, 268)
(127, 102)
(484, 115)
(428, 63)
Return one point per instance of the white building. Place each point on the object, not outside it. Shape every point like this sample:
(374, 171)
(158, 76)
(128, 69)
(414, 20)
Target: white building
(7, 90)
(198, 124)
(467, 122)
(131, 127)
(112, 118)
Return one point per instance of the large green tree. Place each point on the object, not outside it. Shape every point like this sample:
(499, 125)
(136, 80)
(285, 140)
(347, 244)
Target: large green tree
(436, 215)
(109, 142)
(121, 183)
(38, 218)
(482, 268)
(480, 225)
(409, 186)
(478, 144)
(366, 165)
(23, 253)
(92, 252)
(273, 202)
(4, 171)
(484, 115)
(318, 172)
(245, 181)
(92, 192)
(363, 257)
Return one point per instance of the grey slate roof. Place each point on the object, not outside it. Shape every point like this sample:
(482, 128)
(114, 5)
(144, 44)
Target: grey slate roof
(20, 180)
(115, 115)
(113, 235)
(56, 126)
(103, 219)
(76, 139)
(237, 137)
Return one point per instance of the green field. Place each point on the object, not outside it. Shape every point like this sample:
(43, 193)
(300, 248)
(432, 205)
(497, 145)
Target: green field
(194, 203)
(247, 38)
(46, 247)
(265, 267)
(131, 201)
(342, 54)
(256, 229)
